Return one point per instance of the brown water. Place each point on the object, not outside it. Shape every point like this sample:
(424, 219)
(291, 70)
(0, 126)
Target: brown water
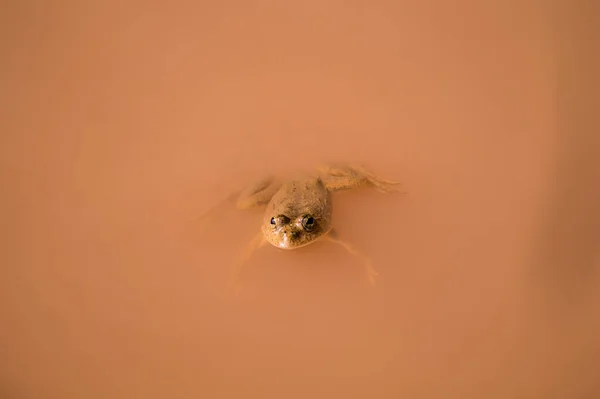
(121, 123)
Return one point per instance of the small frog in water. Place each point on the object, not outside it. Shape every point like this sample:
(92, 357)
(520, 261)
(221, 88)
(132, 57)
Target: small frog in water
(298, 211)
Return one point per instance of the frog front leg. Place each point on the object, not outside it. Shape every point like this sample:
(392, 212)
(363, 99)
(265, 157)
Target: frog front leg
(257, 242)
(367, 263)
(346, 177)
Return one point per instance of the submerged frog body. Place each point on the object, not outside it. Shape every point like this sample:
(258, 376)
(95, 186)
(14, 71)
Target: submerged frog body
(298, 211)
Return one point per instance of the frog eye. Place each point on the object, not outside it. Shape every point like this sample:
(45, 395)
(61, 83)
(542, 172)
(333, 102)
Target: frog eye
(308, 222)
(273, 221)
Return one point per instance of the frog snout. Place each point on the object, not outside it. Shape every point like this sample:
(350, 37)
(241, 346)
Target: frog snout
(291, 234)
(288, 236)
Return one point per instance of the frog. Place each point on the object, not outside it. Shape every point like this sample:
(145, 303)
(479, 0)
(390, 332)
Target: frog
(298, 211)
